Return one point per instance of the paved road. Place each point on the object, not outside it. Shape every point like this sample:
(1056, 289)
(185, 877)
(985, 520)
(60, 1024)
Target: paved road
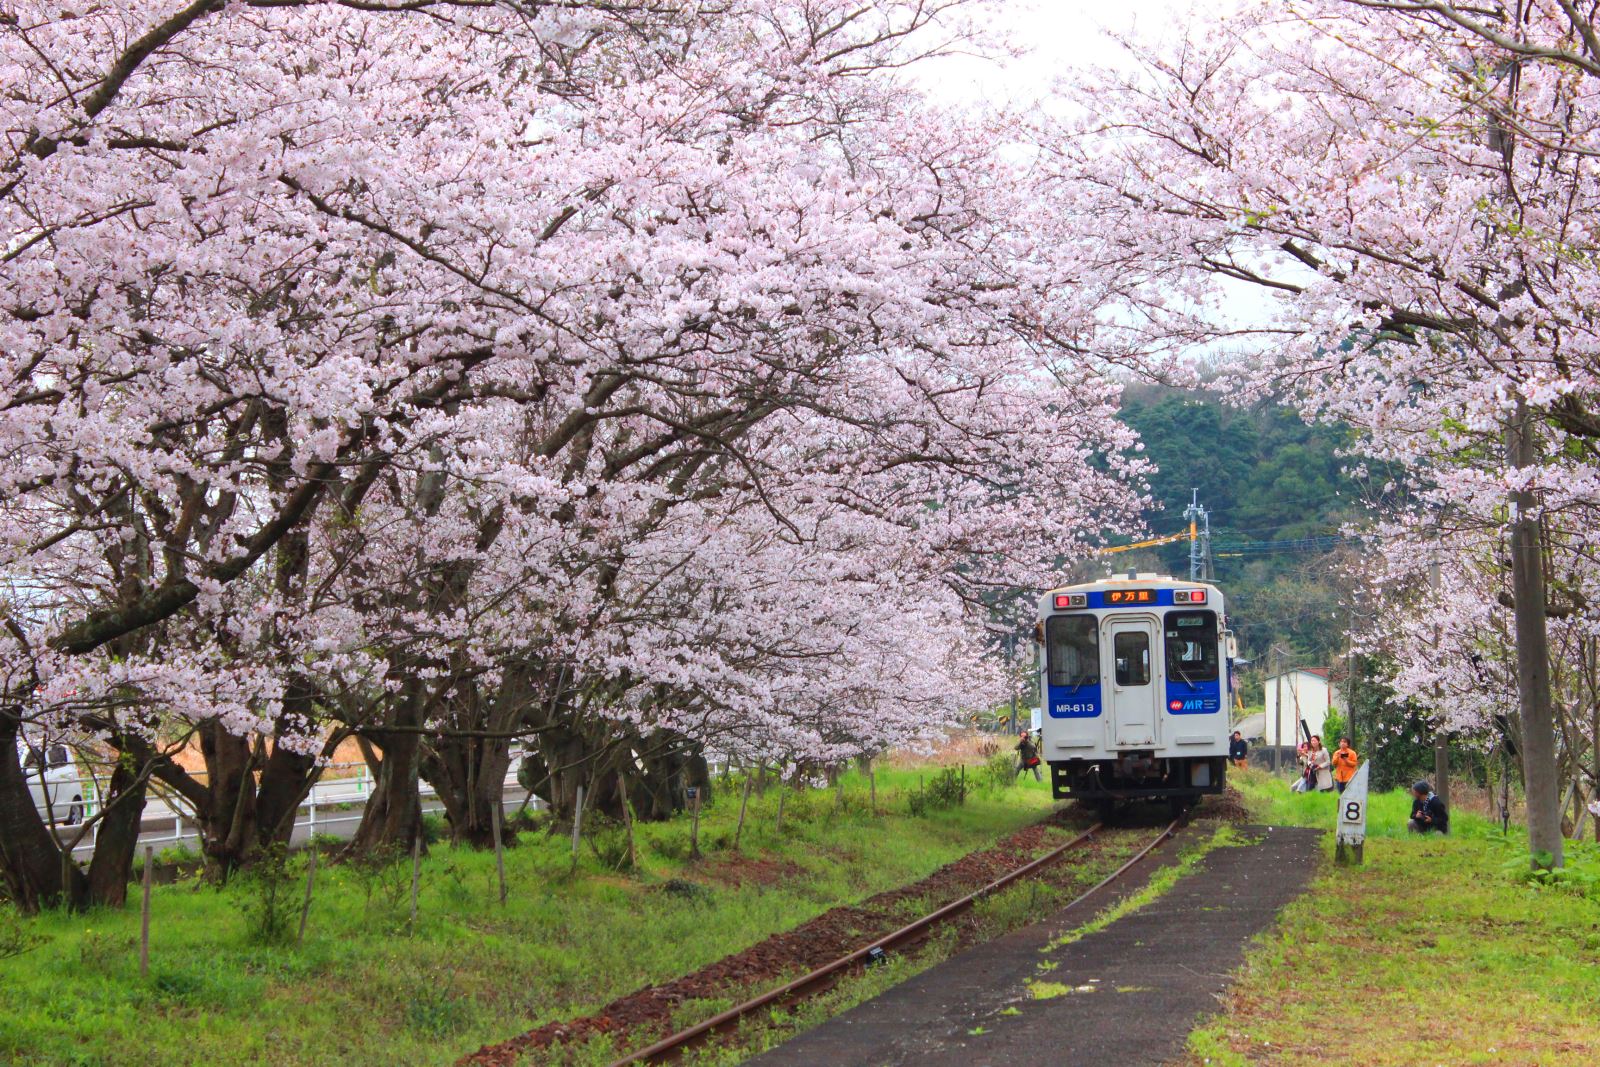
(1128, 994)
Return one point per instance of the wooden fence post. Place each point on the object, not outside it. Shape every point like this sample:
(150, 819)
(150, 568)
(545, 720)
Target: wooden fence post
(305, 909)
(416, 871)
(694, 823)
(744, 802)
(577, 828)
(627, 821)
(777, 827)
(144, 913)
(499, 849)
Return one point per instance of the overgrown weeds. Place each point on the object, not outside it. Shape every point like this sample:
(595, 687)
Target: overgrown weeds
(16, 935)
(947, 789)
(267, 899)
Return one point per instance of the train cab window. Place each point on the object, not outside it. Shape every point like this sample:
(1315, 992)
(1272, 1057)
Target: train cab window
(1072, 648)
(1132, 649)
(1191, 638)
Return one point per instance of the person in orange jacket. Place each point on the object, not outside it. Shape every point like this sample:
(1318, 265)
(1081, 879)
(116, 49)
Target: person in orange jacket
(1345, 762)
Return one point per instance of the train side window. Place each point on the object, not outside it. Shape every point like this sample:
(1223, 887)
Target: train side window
(1132, 649)
(59, 756)
(1072, 644)
(1191, 640)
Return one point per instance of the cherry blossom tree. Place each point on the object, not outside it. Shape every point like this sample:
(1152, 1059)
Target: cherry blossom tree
(444, 374)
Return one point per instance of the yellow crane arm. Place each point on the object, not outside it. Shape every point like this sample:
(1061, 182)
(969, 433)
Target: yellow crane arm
(1167, 540)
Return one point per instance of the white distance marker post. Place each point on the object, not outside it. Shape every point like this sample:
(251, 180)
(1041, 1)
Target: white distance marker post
(1352, 826)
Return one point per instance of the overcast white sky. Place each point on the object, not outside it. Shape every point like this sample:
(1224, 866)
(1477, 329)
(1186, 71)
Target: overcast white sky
(1060, 34)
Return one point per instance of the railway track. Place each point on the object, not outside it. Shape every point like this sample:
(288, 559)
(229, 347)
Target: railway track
(825, 976)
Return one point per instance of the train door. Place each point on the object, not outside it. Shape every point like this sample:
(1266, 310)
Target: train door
(1135, 694)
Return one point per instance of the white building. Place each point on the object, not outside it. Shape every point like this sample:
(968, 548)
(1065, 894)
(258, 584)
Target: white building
(1308, 693)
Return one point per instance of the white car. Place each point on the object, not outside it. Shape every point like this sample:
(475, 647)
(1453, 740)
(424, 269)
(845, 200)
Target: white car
(59, 791)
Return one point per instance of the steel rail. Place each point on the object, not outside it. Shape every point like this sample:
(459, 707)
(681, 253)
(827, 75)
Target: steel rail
(654, 1053)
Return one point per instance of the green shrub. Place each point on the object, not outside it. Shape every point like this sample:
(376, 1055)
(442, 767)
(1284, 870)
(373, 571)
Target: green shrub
(435, 828)
(180, 855)
(325, 843)
(1578, 877)
(384, 877)
(999, 773)
(673, 842)
(102, 953)
(267, 897)
(16, 935)
(437, 1010)
(526, 821)
(947, 789)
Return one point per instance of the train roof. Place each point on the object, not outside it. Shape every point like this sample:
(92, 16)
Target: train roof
(1130, 580)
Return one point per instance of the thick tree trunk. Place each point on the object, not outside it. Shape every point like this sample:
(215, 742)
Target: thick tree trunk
(285, 781)
(468, 774)
(30, 860)
(116, 838)
(1540, 776)
(393, 816)
(228, 822)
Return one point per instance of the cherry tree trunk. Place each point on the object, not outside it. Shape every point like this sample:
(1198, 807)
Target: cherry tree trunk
(228, 821)
(468, 774)
(116, 838)
(393, 816)
(285, 781)
(30, 860)
(1540, 772)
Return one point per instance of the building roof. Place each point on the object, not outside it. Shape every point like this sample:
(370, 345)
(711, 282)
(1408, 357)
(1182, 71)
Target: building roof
(1327, 674)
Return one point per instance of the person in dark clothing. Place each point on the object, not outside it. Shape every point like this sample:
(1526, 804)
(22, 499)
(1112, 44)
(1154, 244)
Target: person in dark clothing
(1239, 750)
(1028, 756)
(1428, 812)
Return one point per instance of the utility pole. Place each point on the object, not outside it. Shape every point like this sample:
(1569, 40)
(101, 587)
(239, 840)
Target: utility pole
(1199, 539)
(1277, 707)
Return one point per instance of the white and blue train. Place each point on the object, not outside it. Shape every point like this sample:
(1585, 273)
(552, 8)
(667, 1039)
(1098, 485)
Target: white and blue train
(1135, 683)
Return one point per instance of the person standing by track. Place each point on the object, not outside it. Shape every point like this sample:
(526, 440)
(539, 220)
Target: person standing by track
(1345, 762)
(1239, 750)
(1028, 756)
(1318, 765)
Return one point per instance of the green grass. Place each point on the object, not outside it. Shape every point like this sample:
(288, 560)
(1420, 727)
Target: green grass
(368, 988)
(1435, 950)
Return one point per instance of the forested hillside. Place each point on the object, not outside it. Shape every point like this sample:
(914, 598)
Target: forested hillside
(1266, 478)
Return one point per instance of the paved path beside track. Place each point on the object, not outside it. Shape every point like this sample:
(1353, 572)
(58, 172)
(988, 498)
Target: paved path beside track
(1133, 990)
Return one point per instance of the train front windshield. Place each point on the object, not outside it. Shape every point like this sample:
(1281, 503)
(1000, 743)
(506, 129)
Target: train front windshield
(1192, 645)
(1073, 643)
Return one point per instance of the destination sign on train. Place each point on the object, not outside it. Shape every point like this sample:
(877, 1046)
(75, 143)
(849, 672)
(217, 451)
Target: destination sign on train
(1130, 596)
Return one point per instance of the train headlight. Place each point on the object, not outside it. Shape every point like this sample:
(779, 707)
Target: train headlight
(1189, 596)
(1071, 600)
